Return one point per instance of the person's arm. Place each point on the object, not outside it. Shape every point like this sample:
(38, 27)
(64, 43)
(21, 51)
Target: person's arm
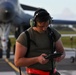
(20, 60)
(60, 49)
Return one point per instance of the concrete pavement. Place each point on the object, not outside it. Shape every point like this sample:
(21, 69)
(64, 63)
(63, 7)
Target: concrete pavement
(65, 67)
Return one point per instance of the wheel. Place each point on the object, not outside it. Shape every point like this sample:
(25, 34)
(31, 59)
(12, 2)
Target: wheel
(8, 53)
(1, 53)
(14, 49)
(72, 59)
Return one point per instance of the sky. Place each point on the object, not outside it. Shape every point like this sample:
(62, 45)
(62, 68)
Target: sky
(54, 7)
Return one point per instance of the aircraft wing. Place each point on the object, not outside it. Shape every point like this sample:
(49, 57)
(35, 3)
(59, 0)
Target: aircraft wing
(58, 21)
(27, 7)
(54, 21)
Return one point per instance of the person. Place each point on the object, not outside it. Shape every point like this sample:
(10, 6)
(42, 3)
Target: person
(35, 62)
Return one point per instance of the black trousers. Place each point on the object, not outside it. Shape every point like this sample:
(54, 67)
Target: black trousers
(57, 73)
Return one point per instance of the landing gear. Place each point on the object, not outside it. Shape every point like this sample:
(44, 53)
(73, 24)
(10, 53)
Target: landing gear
(7, 53)
(14, 49)
(72, 59)
(1, 53)
(8, 48)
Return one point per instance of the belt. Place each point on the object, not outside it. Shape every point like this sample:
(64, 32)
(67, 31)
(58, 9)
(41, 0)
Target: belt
(39, 72)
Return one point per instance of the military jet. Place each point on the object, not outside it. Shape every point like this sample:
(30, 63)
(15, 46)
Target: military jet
(12, 14)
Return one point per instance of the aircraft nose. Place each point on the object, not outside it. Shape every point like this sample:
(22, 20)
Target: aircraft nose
(7, 12)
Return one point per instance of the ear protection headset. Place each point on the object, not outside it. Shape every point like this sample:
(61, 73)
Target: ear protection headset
(42, 15)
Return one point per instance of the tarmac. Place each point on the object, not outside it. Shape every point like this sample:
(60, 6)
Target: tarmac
(65, 67)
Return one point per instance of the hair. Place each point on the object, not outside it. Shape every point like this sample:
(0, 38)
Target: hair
(39, 10)
(40, 15)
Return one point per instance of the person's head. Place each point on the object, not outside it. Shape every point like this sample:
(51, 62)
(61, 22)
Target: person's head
(41, 18)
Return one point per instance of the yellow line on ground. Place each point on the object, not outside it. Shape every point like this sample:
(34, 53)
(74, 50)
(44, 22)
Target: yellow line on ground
(12, 65)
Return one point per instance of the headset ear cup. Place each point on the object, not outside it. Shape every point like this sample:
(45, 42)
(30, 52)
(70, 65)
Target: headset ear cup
(32, 23)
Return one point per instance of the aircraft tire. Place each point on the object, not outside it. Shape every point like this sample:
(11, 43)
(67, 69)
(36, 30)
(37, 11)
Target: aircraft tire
(14, 49)
(1, 53)
(8, 53)
(72, 59)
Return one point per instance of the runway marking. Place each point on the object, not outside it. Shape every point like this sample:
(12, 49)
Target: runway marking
(12, 65)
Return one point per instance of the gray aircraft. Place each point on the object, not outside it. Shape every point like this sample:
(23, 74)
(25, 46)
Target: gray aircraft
(12, 14)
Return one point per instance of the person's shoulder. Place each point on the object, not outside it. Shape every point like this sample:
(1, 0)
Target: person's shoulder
(56, 33)
(23, 33)
(54, 30)
(29, 29)
(21, 36)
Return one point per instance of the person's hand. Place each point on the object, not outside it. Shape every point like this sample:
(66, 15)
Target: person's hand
(58, 59)
(41, 59)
